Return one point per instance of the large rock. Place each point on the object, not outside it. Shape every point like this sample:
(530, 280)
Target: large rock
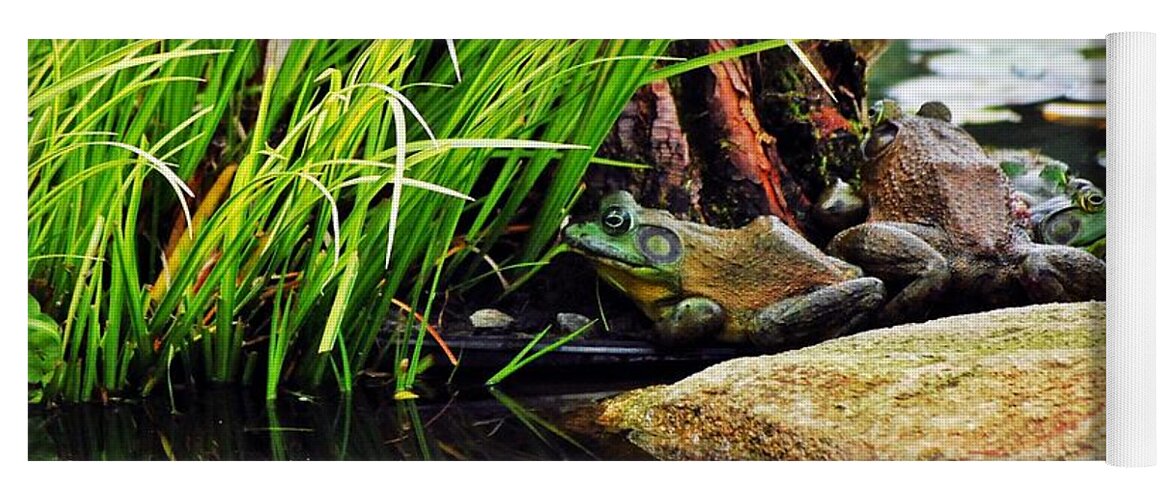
(1025, 383)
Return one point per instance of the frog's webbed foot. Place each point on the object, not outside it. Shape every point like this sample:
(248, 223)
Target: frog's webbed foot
(691, 320)
(1054, 273)
(895, 253)
(825, 313)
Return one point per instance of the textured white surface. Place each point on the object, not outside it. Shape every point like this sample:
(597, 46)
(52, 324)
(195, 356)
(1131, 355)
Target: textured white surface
(1130, 228)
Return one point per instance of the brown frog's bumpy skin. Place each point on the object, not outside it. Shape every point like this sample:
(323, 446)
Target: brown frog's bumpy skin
(761, 283)
(940, 223)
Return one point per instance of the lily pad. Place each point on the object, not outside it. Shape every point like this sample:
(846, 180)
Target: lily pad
(980, 79)
(985, 46)
(1087, 91)
(1022, 64)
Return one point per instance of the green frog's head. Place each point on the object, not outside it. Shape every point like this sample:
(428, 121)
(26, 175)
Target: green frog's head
(1082, 220)
(1062, 209)
(634, 248)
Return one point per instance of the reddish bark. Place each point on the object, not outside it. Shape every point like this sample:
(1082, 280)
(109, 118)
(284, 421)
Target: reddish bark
(828, 120)
(744, 137)
(734, 114)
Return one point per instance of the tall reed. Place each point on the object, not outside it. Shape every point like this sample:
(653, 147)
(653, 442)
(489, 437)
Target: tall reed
(237, 211)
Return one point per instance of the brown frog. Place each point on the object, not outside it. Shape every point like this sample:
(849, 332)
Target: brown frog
(940, 223)
(761, 283)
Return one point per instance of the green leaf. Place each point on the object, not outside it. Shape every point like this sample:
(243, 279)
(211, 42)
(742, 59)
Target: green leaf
(521, 359)
(345, 287)
(710, 59)
(40, 99)
(1094, 52)
(1055, 173)
(1012, 168)
(44, 346)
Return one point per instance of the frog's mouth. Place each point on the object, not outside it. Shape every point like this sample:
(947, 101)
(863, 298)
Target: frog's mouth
(603, 254)
(617, 264)
(602, 251)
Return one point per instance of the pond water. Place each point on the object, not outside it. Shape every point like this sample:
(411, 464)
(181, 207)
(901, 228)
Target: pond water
(549, 414)
(543, 422)
(1043, 95)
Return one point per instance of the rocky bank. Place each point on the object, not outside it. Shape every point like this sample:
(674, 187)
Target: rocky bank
(1025, 383)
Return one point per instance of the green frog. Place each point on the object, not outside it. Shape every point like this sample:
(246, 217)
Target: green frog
(1076, 218)
(762, 283)
(1059, 207)
(941, 224)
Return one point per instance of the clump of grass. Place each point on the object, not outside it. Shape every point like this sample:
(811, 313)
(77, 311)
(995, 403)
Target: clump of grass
(196, 207)
(354, 164)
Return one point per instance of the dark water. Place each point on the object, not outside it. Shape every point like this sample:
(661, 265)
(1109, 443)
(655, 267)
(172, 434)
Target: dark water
(475, 424)
(537, 416)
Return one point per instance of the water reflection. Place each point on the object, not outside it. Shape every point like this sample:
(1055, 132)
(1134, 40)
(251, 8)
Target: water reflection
(226, 425)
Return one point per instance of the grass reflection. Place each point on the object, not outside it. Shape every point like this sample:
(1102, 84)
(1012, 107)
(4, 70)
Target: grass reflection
(226, 425)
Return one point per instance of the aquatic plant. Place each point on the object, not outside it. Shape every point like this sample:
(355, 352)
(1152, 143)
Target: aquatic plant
(243, 211)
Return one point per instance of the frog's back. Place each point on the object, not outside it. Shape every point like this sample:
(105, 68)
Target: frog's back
(756, 265)
(941, 177)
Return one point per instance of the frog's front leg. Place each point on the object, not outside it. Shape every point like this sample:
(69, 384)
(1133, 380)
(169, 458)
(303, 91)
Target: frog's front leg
(825, 313)
(1052, 273)
(689, 321)
(898, 253)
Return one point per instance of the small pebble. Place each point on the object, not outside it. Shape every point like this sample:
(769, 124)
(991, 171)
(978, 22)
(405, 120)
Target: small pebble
(490, 319)
(571, 322)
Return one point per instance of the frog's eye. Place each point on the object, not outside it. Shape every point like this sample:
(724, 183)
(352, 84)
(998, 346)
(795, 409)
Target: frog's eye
(880, 138)
(659, 244)
(1085, 195)
(616, 220)
(1091, 199)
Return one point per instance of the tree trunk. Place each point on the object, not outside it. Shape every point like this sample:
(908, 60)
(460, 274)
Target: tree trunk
(744, 137)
